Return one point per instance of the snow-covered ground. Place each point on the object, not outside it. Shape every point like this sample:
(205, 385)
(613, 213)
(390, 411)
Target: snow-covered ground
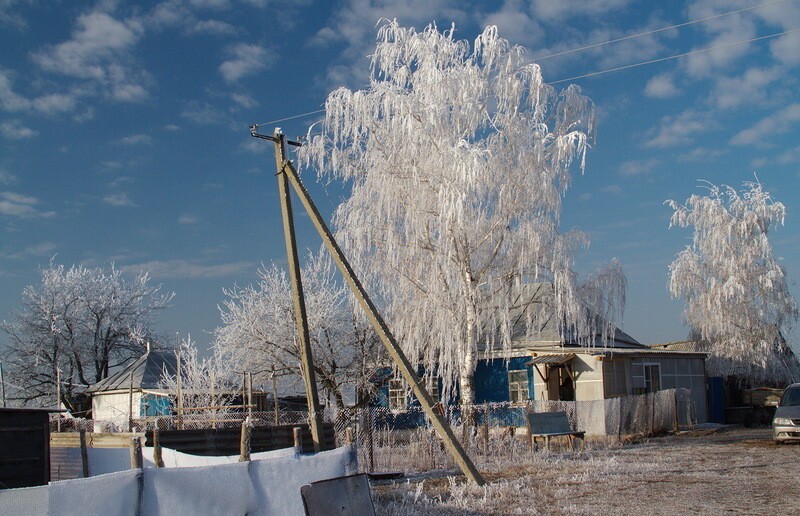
(705, 472)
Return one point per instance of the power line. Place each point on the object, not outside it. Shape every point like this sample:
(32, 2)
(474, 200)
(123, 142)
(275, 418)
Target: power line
(292, 117)
(592, 74)
(654, 31)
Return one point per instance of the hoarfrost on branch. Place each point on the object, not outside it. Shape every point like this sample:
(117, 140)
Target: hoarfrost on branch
(81, 321)
(737, 294)
(259, 333)
(458, 160)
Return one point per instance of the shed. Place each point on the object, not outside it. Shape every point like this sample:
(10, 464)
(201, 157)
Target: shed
(135, 390)
(24, 447)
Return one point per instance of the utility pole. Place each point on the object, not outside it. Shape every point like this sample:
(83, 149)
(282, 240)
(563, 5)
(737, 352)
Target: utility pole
(286, 171)
(301, 320)
(3, 383)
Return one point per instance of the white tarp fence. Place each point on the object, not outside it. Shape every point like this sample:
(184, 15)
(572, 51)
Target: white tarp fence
(266, 486)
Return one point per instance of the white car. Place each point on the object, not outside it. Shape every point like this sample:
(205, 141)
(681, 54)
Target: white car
(786, 423)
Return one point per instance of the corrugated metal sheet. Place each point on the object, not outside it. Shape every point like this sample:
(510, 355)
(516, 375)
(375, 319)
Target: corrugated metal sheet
(147, 371)
(556, 359)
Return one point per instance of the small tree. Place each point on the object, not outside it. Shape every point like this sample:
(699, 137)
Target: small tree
(81, 322)
(259, 332)
(458, 161)
(207, 385)
(737, 294)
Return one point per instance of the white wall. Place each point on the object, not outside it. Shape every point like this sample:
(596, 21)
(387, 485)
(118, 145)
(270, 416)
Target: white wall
(115, 407)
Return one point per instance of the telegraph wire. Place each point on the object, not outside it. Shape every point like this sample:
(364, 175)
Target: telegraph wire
(654, 31)
(618, 68)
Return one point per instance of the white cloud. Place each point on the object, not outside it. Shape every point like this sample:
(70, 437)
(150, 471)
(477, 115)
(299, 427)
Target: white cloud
(515, 23)
(23, 206)
(100, 51)
(135, 139)
(353, 25)
(245, 101)
(41, 249)
(552, 11)
(612, 190)
(187, 219)
(214, 27)
(118, 200)
(701, 154)
(748, 89)
(638, 167)
(254, 145)
(14, 130)
(779, 122)
(6, 177)
(202, 113)
(720, 31)
(172, 127)
(661, 86)
(9, 100)
(245, 60)
(678, 129)
(96, 42)
(171, 269)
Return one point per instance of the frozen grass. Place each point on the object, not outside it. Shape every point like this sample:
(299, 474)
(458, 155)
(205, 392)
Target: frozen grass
(700, 472)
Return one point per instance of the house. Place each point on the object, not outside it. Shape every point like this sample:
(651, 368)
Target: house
(135, 390)
(538, 365)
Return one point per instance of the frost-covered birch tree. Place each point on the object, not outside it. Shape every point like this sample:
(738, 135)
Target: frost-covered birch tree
(79, 321)
(736, 292)
(458, 158)
(207, 385)
(259, 332)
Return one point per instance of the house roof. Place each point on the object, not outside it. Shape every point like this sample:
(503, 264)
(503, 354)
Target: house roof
(143, 373)
(552, 359)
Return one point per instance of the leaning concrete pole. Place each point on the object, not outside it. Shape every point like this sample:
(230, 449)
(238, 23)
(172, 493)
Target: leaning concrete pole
(287, 170)
(312, 397)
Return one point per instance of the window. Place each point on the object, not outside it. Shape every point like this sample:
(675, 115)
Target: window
(432, 386)
(652, 377)
(518, 386)
(614, 378)
(397, 395)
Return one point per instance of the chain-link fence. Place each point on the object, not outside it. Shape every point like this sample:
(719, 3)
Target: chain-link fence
(405, 440)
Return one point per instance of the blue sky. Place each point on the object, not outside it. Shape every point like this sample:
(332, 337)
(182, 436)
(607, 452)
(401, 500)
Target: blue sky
(123, 130)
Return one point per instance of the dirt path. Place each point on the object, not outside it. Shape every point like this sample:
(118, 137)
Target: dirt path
(737, 471)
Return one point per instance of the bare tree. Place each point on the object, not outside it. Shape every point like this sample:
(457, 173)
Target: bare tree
(259, 332)
(81, 322)
(207, 385)
(458, 160)
(737, 294)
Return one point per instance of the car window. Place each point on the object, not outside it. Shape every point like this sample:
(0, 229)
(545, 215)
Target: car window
(791, 397)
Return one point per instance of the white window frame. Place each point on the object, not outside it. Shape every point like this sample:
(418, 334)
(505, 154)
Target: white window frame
(515, 385)
(397, 395)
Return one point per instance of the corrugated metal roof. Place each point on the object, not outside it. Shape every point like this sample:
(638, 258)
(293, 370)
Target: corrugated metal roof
(644, 351)
(147, 371)
(556, 359)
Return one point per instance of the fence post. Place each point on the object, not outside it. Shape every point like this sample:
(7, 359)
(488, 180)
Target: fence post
(485, 427)
(619, 418)
(652, 412)
(244, 443)
(298, 440)
(157, 458)
(136, 453)
(677, 422)
(370, 439)
(84, 454)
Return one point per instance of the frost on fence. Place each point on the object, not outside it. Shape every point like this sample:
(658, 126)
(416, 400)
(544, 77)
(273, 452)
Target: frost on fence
(403, 440)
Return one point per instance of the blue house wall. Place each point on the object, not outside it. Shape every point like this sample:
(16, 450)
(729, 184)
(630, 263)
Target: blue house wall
(491, 378)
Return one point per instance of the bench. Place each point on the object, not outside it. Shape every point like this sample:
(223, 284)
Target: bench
(550, 424)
